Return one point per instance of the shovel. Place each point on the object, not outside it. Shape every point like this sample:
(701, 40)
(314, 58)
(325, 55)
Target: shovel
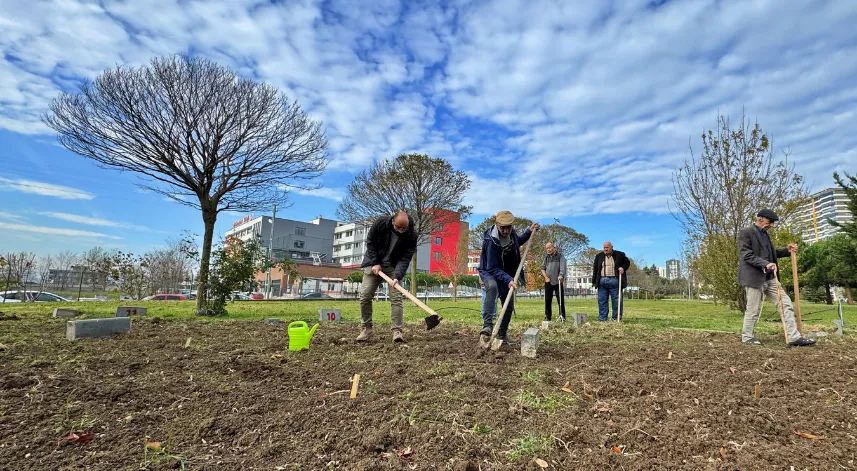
(494, 342)
(619, 316)
(432, 320)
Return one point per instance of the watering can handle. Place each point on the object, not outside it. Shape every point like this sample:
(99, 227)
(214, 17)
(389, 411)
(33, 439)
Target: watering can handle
(298, 324)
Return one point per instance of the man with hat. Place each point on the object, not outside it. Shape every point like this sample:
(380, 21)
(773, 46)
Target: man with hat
(498, 262)
(757, 273)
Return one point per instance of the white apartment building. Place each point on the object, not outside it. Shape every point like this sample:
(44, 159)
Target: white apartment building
(579, 278)
(297, 240)
(673, 269)
(831, 203)
(349, 245)
(662, 272)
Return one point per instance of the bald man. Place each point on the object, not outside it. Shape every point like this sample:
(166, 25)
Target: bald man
(609, 265)
(553, 271)
(390, 245)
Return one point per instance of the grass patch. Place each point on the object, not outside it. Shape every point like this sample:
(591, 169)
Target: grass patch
(533, 376)
(530, 445)
(547, 402)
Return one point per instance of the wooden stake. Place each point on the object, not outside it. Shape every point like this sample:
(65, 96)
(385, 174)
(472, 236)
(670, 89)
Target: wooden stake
(782, 311)
(797, 293)
(354, 384)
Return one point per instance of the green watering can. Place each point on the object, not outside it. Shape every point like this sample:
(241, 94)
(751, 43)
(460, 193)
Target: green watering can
(300, 335)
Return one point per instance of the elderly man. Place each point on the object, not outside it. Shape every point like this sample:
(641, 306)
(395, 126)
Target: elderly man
(757, 273)
(609, 266)
(498, 263)
(553, 270)
(390, 245)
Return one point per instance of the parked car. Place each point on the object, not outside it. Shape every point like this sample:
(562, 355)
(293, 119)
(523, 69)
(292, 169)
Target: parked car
(166, 297)
(240, 297)
(40, 297)
(316, 296)
(257, 296)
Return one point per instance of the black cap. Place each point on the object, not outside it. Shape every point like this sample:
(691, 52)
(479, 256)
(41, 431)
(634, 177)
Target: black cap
(768, 214)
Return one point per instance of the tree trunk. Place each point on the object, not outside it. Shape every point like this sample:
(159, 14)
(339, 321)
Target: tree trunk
(848, 294)
(414, 273)
(827, 294)
(209, 217)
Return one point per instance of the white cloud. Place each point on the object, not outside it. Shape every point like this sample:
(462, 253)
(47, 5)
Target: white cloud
(334, 194)
(92, 221)
(44, 189)
(561, 109)
(53, 231)
(11, 216)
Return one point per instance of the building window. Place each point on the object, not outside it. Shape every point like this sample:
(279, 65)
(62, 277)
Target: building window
(437, 255)
(300, 230)
(347, 246)
(357, 245)
(299, 244)
(331, 286)
(349, 233)
(438, 241)
(439, 227)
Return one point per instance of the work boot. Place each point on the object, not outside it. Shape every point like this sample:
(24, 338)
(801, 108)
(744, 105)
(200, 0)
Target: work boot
(365, 333)
(802, 342)
(486, 331)
(397, 336)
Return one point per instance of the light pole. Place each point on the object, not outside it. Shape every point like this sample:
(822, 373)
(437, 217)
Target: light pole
(268, 290)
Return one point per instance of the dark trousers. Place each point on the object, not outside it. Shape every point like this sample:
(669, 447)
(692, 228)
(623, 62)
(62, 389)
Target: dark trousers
(550, 291)
(493, 290)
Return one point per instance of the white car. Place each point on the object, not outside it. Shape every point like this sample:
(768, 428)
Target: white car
(40, 297)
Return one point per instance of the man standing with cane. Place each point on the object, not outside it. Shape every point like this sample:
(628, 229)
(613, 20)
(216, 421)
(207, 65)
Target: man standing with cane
(553, 270)
(757, 273)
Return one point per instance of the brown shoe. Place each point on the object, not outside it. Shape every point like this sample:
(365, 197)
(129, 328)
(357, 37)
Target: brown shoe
(365, 334)
(398, 337)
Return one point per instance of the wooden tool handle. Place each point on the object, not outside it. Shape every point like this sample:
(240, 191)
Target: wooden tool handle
(511, 291)
(797, 292)
(408, 294)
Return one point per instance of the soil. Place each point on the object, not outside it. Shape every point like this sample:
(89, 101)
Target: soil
(236, 399)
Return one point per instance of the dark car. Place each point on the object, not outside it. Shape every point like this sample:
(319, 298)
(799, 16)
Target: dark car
(316, 296)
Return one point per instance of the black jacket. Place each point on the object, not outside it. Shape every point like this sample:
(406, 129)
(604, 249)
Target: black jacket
(752, 258)
(619, 260)
(378, 240)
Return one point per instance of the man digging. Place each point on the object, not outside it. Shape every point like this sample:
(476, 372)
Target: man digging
(390, 245)
(501, 254)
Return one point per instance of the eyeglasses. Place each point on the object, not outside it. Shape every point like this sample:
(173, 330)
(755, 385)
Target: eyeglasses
(505, 228)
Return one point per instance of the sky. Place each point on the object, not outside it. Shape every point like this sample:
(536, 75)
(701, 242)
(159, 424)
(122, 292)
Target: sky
(578, 111)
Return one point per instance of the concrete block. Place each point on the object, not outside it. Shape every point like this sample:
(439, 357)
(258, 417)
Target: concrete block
(60, 312)
(325, 315)
(95, 328)
(838, 323)
(273, 321)
(530, 342)
(546, 325)
(579, 319)
(128, 311)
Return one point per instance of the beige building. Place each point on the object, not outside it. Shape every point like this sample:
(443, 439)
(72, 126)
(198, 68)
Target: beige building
(831, 203)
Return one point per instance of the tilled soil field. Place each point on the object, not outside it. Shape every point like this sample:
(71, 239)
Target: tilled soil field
(227, 395)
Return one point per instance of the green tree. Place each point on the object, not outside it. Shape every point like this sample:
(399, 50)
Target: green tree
(234, 267)
(843, 262)
(849, 185)
(719, 192)
(198, 133)
(814, 264)
(428, 188)
(355, 277)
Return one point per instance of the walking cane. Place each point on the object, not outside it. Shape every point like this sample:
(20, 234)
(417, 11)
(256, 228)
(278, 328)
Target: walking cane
(797, 292)
(619, 317)
(561, 302)
(782, 310)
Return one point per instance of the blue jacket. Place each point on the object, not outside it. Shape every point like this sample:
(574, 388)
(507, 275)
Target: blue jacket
(492, 264)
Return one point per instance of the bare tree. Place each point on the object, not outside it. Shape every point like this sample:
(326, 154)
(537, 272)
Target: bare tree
(455, 264)
(64, 261)
(44, 268)
(719, 192)
(429, 189)
(17, 269)
(198, 133)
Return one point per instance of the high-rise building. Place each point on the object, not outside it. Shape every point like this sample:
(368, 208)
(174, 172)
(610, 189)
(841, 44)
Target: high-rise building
(662, 272)
(831, 203)
(673, 269)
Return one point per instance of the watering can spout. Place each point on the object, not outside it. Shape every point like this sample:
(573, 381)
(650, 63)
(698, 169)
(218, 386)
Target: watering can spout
(312, 331)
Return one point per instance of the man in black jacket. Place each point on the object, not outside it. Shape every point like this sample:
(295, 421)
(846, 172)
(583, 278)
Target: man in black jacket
(609, 265)
(390, 245)
(757, 273)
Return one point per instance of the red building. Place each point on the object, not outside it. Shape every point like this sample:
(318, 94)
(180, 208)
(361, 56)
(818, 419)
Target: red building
(445, 253)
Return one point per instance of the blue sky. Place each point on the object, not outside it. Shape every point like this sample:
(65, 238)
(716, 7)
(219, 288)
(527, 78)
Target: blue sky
(572, 110)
